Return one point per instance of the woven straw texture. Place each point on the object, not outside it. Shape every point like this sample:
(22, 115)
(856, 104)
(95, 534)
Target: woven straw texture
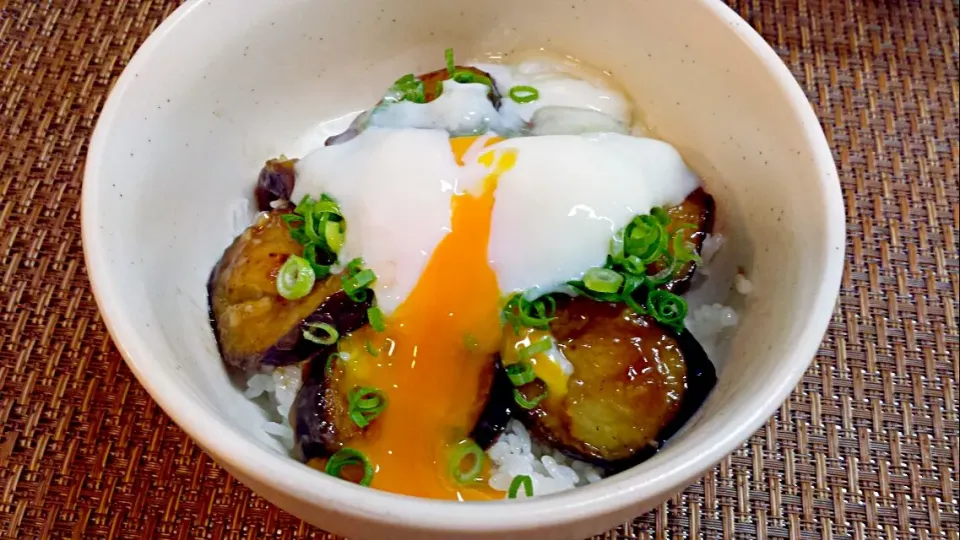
(866, 447)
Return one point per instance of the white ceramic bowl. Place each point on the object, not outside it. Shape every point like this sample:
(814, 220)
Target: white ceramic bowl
(223, 85)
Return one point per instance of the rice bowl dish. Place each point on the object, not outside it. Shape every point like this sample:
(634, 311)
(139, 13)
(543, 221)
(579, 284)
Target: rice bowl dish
(476, 290)
(202, 105)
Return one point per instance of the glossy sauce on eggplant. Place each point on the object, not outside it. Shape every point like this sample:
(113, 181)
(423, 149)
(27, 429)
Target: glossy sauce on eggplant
(633, 382)
(696, 210)
(254, 325)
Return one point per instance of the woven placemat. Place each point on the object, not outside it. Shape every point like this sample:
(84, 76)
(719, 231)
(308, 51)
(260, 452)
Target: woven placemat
(866, 447)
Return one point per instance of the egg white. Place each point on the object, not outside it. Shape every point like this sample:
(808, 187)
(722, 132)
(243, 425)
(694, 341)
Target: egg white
(570, 101)
(577, 178)
(461, 109)
(558, 207)
(563, 86)
(394, 187)
(555, 211)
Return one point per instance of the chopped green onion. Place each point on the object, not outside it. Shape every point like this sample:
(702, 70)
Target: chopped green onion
(318, 225)
(518, 481)
(354, 266)
(645, 238)
(347, 457)
(683, 250)
(303, 207)
(545, 306)
(669, 264)
(519, 311)
(375, 316)
(632, 284)
(359, 281)
(295, 278)
(529, 351)
(332, 359)
(634, 305)
(365, 404)
(407, 88)
(310, 227)
(326, 205)
(667, 308)
(520, 373)
(329, 334)
(599, 297)
(466, 462)
(310, 254)
(662, 216)
(634, 265)
(367, 399)
(451, 67)
(371, 349)
(333, 234)
(296, 231)
(290, 218)
(463, 76)
(470, 342)
(616, 245)
(528, 403)
(602, 280)
(359, 296)
(524, 94)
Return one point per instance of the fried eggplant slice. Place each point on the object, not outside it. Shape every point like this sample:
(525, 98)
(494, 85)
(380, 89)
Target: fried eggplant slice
(634, 384)
(276, 182)
(253, 324)
(432, 88)
(697, 210)
(498, 407)
(321, 411)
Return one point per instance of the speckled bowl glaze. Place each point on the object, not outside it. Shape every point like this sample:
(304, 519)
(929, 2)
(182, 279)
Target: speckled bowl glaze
(221, 86)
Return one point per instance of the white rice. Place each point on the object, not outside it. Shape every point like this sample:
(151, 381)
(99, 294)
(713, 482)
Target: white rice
(708, 323)
(279, 388)
(515, 454)
(711, 245)
(742, 284)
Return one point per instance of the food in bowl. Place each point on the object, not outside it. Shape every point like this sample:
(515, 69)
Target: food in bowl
(474, 292)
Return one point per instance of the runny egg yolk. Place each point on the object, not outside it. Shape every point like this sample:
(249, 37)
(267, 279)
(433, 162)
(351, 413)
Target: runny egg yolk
(435, 360)
(549, 366)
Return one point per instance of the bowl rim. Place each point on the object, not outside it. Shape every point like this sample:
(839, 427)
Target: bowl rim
(264, 467)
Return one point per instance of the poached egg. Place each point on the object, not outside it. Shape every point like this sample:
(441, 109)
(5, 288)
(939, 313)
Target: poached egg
(451, 227)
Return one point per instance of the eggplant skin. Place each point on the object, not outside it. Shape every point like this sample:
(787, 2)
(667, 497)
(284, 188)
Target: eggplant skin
(634, 384)
(354, 129)
(275, 182)
(432, 88)
(254, 325)
(697, 209)
(498, 408)
(320, 412)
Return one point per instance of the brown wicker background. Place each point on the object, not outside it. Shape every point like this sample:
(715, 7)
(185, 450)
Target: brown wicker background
(866, 447)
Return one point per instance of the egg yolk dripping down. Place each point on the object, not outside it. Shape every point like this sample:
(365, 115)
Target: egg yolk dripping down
(435, 360)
